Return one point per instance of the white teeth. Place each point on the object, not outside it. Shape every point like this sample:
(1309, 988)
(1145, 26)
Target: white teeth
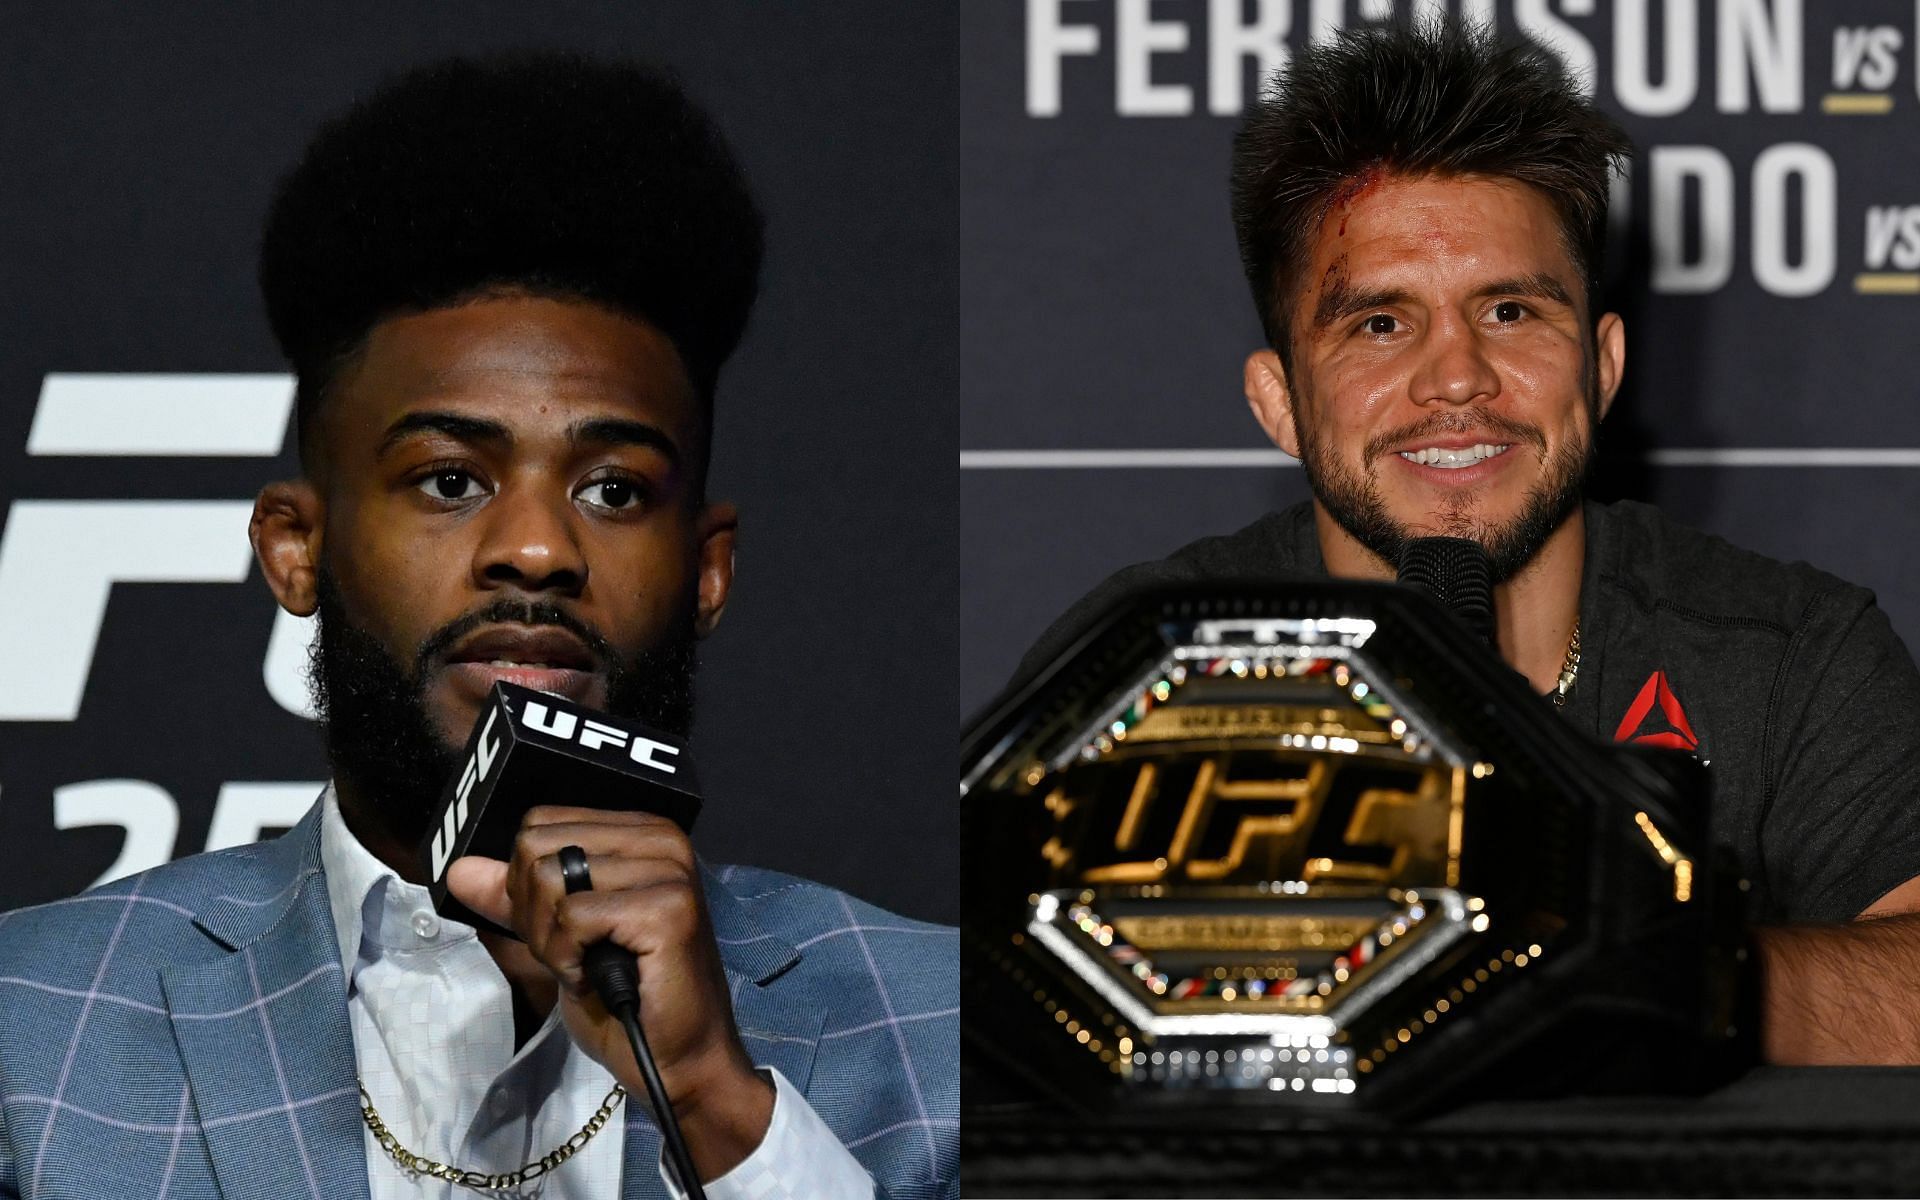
(501, 662)
(1435, 456)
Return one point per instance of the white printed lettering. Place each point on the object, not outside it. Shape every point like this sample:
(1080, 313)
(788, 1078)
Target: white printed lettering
(1632, 44)
(1772, 171)
(243, 812)
(561, 724)
(1759, 42)
(449, 830)
(1893, 237)
(595, 735)
(1049, 39)
(1669, 169)
(1472, 12)
(1325, 19)
(645, 749)
(59, 560)
(489, 746)
(1865, 57)
(238, 416)
(144, 810)
(1230, 43)
(1544, 27)
(1137, 38)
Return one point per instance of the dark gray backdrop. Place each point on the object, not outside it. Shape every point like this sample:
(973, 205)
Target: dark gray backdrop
(1773, 312)
(139, 143)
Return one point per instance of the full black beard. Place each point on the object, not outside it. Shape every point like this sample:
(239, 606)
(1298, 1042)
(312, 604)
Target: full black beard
(382, 739)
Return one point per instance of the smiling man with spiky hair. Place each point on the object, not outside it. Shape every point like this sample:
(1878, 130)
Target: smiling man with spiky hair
(507, 288)
(1421, 215)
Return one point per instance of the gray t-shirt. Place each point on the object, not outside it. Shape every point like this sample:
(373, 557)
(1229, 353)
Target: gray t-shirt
(1789, 683)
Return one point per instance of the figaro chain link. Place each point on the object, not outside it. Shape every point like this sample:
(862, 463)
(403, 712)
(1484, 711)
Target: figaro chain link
(546, 1163)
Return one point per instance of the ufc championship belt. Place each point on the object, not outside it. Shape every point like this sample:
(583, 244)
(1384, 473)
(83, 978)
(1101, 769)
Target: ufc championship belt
(1313, 846)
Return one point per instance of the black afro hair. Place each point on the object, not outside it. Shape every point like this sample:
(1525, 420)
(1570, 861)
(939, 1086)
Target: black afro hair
(540, 171)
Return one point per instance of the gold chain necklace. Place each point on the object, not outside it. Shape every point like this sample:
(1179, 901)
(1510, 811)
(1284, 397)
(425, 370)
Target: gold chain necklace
(414, 1163)
(1570, 669)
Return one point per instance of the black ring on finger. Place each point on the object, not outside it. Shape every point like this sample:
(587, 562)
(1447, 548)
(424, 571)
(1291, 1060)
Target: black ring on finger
(573, 870)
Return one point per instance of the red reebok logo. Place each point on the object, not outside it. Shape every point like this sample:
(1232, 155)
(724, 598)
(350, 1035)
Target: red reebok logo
(1674, 733)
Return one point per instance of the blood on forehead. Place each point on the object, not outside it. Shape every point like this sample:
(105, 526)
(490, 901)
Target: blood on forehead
(1349, 193)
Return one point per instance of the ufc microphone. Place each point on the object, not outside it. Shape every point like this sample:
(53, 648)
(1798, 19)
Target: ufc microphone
(531, 748)
(1457, 573)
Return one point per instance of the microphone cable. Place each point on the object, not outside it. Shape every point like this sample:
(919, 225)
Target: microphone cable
(616, 980)
(615, 976)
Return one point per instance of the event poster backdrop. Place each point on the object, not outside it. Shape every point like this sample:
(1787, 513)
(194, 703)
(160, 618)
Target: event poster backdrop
(1766, 260)
(151, 703)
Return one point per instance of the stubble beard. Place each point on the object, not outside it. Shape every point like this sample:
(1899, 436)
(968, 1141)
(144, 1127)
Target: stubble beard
(380, 734)
(1353, 497)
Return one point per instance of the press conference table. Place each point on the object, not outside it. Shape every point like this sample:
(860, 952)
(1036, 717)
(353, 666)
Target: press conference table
(1774, 1131)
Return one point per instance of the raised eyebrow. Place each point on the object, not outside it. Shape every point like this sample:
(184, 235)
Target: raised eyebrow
(1538, 287)
(618, 431)
(455, 425)
(1339, 302)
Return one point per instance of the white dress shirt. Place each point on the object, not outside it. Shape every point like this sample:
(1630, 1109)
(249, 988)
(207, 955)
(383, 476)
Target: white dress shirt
(433, 1035)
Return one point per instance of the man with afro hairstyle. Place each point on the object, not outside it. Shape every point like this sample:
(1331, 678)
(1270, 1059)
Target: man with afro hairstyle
(1421, 216)
(506, 287)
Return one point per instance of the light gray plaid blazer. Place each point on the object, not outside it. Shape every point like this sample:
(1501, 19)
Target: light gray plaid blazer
(184, 1032)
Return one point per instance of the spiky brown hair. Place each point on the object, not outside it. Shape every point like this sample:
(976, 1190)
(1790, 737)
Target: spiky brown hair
(1431, 99)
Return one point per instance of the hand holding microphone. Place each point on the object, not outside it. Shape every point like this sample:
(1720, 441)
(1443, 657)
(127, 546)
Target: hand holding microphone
(645, 902)
(610, 968)
(592, 891)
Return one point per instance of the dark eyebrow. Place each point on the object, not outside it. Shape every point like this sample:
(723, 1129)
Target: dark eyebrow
(1338, 302)
(1539, 287)
(466, 429)
(616, 431)
(600, 431)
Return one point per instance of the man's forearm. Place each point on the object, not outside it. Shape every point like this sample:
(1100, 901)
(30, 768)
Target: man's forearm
(1841, 994)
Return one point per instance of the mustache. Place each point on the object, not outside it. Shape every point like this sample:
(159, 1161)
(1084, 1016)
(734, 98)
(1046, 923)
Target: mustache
(1502, 428)
(507, 611)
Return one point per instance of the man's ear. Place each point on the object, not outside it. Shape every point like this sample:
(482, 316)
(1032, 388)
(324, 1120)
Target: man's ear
(715, 527)
(1271, 399)
(1610, 357)
(285, 532)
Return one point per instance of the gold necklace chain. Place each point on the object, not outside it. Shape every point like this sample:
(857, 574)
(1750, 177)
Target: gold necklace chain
(414, 1163)
(1570, 669)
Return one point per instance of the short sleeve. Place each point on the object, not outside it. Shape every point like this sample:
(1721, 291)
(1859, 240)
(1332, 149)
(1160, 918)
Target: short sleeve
(1842, 827)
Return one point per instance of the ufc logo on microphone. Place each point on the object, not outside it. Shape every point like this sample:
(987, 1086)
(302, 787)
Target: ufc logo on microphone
(595, 735)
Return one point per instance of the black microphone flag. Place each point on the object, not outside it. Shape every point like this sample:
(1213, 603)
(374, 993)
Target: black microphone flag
(530, 748)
